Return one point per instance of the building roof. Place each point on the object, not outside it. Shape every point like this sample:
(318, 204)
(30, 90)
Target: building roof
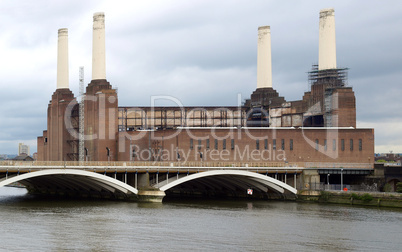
(23, 157)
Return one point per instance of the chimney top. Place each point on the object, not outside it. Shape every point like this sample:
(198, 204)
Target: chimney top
(63, 31)
(327, 12)
(264, 27)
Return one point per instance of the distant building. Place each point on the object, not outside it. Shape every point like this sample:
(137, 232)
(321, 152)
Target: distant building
(23, 149)
(23, 157)
(388, 157)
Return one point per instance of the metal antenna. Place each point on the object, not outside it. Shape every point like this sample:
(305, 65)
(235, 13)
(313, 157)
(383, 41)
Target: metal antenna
(81, 118)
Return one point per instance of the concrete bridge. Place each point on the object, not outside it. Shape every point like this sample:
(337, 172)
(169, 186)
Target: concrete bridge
(152, 181)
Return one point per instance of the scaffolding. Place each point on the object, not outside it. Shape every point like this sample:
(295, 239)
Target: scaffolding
(328, 101)
(73, 142)
(134, 118)
(336, 77)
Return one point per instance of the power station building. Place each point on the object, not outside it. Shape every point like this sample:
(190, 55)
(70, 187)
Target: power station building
(319, 129)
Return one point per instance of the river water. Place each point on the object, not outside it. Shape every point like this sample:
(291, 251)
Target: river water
(32, 224)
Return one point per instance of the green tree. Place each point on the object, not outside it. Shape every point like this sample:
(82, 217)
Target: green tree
(399, 187)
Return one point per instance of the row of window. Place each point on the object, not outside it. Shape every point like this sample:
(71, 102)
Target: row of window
(207, 144)
(282, 144)
(351, 145)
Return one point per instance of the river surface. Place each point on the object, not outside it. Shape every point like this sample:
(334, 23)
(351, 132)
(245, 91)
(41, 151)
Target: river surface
(32, 224)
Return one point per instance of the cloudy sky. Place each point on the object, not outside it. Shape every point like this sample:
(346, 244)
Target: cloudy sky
(200, 52)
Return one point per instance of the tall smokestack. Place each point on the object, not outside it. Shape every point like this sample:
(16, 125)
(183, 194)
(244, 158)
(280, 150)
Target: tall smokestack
(98, 47)
(264, 65)
(62, 59)
(327, 43)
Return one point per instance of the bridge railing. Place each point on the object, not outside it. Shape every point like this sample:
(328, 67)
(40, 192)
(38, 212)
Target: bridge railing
(166, 164)
(147, 164)
(325, 165)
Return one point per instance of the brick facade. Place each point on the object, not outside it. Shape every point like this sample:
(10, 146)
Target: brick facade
(56, 144)
(249, 145)
(101, 121)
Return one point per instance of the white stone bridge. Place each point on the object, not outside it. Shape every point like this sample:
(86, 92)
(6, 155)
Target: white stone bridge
(151, 181)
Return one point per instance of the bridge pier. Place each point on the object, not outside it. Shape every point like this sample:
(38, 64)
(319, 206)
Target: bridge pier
(151, 195)
(311, 180)
(147, 193)
(142, 180)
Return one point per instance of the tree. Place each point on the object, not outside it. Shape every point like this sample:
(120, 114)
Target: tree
(399, 187)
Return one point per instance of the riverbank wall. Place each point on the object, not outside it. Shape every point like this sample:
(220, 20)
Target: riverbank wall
(377, 199)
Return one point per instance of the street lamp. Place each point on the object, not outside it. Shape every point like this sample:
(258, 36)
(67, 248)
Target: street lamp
(328, 180)
(341, 179)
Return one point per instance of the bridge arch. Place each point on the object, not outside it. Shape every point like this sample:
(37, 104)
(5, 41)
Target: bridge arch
(70, 181)
(252, 179)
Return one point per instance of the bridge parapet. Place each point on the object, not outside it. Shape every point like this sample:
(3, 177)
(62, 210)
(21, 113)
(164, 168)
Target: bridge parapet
(150, 164)
(325, 165)
(167, 164)
(208, 177)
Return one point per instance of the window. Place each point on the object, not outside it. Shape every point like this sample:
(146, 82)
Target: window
(360, 145)
(207, 144)
(191, 144)
(266, 144)
(334, 145)
(257, 144)
(133, 155)
(216, 144)
(274, 144)
(232, 144)
(291, 144)
(342, 144)
(199, 144)
(325, 144)
(351, 144)
(224, 144)
(316, 145)
(283, 144)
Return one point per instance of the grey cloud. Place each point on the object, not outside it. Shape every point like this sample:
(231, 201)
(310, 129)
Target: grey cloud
(203, 53)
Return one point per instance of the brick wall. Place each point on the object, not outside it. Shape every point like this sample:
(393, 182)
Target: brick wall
(250, 145)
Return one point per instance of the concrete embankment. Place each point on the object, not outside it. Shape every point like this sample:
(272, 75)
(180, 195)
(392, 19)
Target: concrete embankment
(378, 199)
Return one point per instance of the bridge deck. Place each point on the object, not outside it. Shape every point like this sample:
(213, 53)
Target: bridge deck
(189, 178)
(176, 166)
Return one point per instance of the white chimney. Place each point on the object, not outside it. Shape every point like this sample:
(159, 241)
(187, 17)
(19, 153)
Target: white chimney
(62, 59)
(327, 43)
(98, 47)
(264, 65)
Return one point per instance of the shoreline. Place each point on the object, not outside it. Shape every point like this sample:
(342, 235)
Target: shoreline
(377, 199)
